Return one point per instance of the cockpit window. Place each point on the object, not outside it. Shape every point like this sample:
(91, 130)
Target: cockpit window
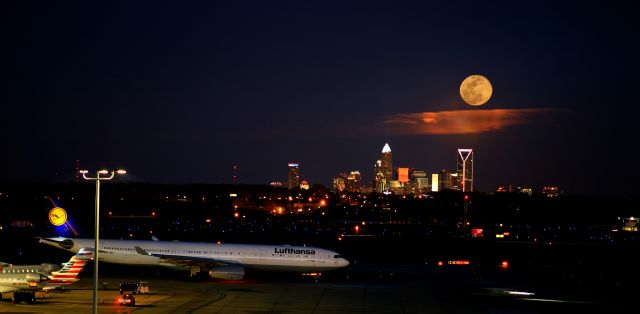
(337, 256)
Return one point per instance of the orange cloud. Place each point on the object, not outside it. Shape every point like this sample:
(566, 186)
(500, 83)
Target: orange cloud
(463, 121)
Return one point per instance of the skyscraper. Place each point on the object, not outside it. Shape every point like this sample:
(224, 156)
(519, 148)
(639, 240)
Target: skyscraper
(353, 182)
(294, 175)
(379, 181)
(419, 179)
(387, 164)
(444, 180)
(403, 175)
(435, 187)
(465, 169)
(340, 183)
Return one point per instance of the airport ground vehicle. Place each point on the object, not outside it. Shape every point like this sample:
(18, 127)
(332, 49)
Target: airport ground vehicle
(143, 287)
(24, 295)
(127, 299)
(134, 287)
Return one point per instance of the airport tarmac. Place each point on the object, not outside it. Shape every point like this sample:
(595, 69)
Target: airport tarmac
(172, 296)
(374, 289)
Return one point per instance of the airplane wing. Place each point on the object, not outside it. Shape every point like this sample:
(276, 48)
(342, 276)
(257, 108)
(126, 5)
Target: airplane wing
(185, 261)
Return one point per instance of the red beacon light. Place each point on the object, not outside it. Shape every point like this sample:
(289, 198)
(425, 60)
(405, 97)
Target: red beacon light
(504, 265)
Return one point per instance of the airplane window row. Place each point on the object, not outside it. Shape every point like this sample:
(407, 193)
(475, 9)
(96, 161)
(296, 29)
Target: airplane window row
(198, 252)
(282, 254)
(159, 251)
(13, 271)
(169, 251)
(130, 249)
(118, 248)
(183, 251)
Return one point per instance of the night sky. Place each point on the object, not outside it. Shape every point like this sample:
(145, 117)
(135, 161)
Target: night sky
(179, 92)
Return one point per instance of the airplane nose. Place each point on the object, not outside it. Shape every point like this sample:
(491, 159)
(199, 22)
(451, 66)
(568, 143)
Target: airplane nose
(345, 262)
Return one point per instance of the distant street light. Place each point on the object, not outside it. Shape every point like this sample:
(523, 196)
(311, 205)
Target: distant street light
(100, 175)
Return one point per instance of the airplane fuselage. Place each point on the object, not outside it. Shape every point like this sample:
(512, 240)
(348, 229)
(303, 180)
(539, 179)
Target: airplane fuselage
(250, 256)
(18, 269)
(23, 281)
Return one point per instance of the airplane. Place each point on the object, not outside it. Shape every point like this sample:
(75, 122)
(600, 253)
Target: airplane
(22, 283)
(25, 281)
(220, 261)
(6, 268)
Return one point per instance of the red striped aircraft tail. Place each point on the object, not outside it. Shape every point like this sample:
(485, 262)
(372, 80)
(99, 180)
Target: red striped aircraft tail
(70, 270)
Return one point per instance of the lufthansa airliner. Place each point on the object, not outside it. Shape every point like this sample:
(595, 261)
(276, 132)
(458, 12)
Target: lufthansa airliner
(220, 261)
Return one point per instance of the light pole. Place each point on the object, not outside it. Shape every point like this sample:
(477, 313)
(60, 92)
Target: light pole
(100, 175)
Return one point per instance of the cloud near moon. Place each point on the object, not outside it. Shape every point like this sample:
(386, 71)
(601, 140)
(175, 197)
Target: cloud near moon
(462, 121)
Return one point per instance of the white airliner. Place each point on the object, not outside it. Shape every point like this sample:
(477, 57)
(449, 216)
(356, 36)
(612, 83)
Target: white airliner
(23, 278)
(221, 261)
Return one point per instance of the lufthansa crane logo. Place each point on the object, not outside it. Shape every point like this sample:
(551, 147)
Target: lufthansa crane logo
(57, 216)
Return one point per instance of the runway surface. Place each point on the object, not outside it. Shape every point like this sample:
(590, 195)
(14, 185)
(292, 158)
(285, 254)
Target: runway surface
(370, 289)
(236, 297)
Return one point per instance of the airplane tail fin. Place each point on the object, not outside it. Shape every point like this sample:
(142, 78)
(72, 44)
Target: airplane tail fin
(71, 269)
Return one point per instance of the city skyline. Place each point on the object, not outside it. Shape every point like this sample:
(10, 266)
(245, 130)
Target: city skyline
(182, 92)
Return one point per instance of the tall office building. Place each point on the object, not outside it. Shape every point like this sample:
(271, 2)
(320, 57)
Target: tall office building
(379, 181)
(420, 180)
(453, 181)
(294, 175)
(340, 183)
(353, 182)
(435, 187)
(444, 180)
(387, 164)
(465, 169)
(403, 175)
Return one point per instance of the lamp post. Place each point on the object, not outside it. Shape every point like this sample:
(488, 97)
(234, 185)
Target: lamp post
(100, 175)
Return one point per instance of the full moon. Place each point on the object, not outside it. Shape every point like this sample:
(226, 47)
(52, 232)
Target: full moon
(476, 90)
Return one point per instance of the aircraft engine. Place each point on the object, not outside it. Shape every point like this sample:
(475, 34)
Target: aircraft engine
(48, 268)
(35, 277)
(227, 272)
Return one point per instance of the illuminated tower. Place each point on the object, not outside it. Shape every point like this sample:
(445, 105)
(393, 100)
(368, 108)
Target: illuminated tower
(77, 178)
(465, 169)
(294, 175)
(387, 165)
(419, 179)
(353, 182)
(235, 174)
(340, 183)
(379, 181)
(403, 175)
